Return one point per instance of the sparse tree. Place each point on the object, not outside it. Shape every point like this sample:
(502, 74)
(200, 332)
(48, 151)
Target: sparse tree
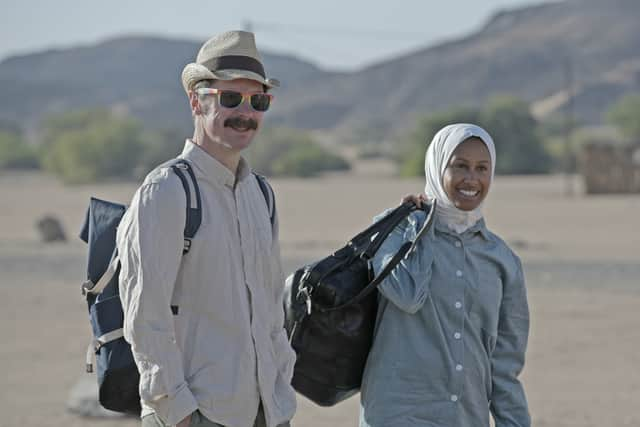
(290, 152)
(413, 149)
(15, 153)
(515, 133)
(90, 145)
(625, 115)
(507, 119)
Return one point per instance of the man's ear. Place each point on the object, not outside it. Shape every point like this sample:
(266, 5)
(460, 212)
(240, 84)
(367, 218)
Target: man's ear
(193, 102)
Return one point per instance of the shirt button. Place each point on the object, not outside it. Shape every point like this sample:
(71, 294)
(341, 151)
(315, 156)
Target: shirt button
(459, 273)
(458, 304)
(457, 335)
(458, 244)
(454, 398)
(458, 368)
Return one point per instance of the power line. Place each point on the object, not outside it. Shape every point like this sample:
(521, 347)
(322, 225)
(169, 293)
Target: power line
(331, 31)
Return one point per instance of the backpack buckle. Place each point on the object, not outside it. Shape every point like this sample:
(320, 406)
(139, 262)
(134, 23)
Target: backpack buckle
(87, 286)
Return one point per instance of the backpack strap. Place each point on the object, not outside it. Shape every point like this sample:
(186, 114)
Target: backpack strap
(269, 196)
(194, 201)
(184, 171)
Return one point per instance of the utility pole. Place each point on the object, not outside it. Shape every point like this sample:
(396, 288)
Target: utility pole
(568, 124)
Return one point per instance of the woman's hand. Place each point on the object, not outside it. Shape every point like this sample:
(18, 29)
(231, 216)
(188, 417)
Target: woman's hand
(417, 199)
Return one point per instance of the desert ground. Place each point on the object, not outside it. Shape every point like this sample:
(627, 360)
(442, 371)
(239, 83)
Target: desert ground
(581, 256)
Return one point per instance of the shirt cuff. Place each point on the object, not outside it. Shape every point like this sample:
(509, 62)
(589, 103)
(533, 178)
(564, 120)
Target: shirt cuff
(172, 410)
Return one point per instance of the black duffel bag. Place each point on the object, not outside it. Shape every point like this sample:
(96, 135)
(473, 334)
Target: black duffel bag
(330, 311)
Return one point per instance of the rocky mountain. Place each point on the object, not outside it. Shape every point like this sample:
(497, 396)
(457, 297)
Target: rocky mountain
(527, 52)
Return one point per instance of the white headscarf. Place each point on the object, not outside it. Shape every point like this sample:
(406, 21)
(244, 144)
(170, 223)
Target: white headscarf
(436, 160)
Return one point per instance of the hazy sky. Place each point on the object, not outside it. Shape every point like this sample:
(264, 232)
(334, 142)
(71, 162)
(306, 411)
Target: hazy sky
(331, 33)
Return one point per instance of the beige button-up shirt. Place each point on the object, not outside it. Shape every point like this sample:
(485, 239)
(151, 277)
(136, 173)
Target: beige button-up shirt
(222, 348)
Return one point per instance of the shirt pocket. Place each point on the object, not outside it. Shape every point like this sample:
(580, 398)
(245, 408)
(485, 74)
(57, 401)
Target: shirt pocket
(484, 298)
(263, 233)
(262, 257)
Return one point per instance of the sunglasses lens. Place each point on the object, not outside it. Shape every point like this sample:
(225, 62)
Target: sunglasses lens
(230, 99)
(260, 101)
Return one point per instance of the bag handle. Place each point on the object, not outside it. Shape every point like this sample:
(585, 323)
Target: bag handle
(405, 249)
(380, 229)
(396, 217)
(362, 244)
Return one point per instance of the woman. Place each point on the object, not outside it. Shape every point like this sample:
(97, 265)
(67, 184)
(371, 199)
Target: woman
(453, 319)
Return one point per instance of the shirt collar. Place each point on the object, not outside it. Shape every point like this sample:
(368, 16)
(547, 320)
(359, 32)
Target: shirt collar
(212, 167)
(478, 228)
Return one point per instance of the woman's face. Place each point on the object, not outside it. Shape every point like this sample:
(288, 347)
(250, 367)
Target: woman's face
(467, 176)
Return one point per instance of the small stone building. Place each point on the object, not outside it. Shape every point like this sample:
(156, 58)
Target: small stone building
(611, 168)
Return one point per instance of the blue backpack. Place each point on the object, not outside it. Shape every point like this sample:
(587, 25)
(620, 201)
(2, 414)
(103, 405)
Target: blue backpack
(117, 373)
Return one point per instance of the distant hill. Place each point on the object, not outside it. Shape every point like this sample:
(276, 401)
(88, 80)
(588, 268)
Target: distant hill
(136, 74)
(524, 52)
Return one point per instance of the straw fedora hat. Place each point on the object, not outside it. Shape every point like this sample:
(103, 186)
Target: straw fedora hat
(227, 56)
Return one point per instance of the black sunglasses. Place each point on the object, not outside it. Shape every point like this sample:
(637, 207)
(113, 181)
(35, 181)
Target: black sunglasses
(259, 101)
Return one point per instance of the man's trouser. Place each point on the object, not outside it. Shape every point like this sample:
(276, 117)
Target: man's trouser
(199, 420)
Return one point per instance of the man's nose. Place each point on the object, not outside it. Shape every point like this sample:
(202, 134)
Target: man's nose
(245, 107)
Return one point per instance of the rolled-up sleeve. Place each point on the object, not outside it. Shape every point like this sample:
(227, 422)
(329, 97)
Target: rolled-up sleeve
(150, 242)
(407, 286)
(508, 401)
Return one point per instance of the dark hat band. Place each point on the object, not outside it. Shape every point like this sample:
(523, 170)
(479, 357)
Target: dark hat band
(235, 62)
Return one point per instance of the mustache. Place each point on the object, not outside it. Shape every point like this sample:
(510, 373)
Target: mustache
(241, 122)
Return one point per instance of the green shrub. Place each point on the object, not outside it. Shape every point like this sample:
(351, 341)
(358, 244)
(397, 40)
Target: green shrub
(158, 146)
(413, 147)
(308, 159)
(625, 115)
(519, 148)
(288, 152)
(106, 146)
(15, 153)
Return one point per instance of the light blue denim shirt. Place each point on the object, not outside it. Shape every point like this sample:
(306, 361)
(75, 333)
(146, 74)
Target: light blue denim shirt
(451, 333)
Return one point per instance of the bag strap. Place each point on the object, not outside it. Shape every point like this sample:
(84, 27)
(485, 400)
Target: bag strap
(194, 201)
(184, 171)
(269, 196)
(367, 242)
(363, 245)
(112, 269)
(406, 248)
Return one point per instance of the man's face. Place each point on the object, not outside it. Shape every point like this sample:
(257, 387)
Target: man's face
(467, 176)
(233, 128)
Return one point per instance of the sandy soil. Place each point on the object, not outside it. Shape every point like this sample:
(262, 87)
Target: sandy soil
(581, 255)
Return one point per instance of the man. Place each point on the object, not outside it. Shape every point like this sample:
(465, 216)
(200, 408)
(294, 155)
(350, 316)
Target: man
(206, 327)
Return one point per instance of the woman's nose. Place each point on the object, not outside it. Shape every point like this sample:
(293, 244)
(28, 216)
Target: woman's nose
(471, 175)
